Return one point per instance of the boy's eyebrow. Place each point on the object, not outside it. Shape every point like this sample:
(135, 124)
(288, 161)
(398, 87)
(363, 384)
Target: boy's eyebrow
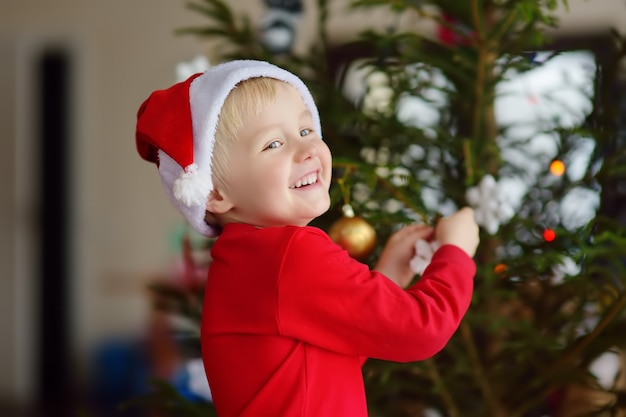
(305, 113)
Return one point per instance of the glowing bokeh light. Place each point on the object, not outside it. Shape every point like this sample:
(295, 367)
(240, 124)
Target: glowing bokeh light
(549, 235)
(557, 168)
(500, 269)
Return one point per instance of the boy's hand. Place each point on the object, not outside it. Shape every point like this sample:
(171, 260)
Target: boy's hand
(394, 261)
(459, 229)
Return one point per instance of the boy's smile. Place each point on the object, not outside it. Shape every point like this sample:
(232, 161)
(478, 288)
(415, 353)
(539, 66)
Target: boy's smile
(279, 169)
(307, 180)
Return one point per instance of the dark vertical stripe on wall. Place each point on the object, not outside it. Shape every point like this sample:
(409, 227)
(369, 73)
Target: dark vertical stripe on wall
(54, 281)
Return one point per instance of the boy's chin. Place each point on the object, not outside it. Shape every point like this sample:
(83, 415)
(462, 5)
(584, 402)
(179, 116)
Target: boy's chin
(308, 220)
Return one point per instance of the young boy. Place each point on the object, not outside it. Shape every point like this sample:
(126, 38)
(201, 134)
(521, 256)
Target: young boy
(288, 317)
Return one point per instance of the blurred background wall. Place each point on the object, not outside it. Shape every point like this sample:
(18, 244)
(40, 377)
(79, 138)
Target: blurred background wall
(84, 223)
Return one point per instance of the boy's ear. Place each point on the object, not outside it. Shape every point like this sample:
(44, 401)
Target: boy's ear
(218, 203)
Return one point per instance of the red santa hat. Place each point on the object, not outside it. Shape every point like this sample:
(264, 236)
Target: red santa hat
(176, 130)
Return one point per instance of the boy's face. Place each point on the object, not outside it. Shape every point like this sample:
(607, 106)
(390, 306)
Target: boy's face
(279, 169)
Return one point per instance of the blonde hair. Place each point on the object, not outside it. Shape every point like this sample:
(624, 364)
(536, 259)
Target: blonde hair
(246, 100)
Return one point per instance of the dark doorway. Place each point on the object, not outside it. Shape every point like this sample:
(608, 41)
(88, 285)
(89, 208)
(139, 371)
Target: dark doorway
(54, 161)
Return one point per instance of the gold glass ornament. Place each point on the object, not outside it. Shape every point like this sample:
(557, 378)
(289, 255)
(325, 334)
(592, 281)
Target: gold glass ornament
(353, 234)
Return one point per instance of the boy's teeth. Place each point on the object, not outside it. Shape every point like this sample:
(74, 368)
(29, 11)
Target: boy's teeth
(309, 179)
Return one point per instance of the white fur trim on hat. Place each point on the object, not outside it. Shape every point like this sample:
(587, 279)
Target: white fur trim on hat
(189, 188)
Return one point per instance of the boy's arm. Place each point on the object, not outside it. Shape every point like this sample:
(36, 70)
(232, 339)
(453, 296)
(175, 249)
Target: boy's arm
(459, 229)
(330, 300)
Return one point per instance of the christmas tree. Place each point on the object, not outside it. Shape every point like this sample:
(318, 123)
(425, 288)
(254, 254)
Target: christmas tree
(423, 124)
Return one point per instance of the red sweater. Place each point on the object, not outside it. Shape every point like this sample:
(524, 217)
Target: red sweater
(289, 318)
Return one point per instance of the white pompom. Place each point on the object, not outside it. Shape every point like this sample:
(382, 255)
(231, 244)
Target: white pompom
(192, 187)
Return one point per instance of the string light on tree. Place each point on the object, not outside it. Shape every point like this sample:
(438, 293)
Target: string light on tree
(500, 269)
(557, 168)
(549, 235)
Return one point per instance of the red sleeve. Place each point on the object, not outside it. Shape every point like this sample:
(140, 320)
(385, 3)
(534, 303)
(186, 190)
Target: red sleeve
(332, 301)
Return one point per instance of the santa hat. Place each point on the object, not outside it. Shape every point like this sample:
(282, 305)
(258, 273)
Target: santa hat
(176, 130)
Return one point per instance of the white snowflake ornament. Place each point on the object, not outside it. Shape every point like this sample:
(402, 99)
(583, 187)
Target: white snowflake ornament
(566, 267)
(424, 252)
(185, 70)
(490, 208)
(379, 93)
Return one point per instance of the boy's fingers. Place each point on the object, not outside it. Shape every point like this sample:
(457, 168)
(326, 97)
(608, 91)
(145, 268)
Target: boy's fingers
(415, 231)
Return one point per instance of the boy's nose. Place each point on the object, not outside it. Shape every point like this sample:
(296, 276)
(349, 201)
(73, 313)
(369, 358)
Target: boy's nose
(306, 150)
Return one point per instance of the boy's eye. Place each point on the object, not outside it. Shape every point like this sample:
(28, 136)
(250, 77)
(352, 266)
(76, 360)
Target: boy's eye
(273, 145)
(305, 132)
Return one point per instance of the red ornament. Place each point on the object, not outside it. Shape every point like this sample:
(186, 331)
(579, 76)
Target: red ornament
(452, 32)
(549, 235)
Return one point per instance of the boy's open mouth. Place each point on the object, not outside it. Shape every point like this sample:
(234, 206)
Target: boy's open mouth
(304, 181)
